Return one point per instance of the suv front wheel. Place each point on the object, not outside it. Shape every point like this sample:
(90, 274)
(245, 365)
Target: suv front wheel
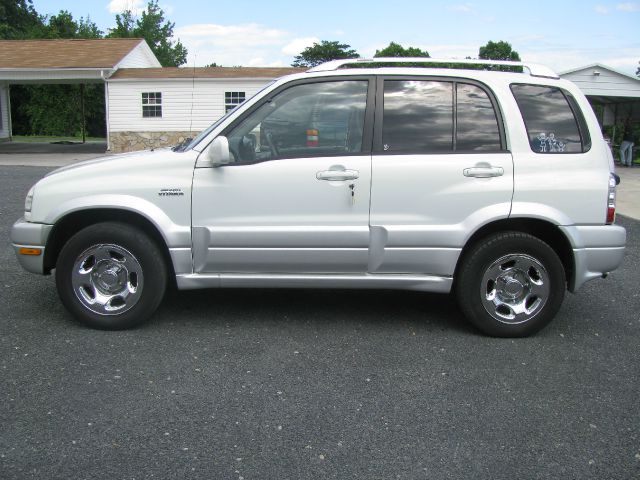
(510, 284)
(111, 276)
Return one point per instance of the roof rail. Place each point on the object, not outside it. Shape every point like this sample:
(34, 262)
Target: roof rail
(535, 70)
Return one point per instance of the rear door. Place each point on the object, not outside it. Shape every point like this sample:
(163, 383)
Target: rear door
(440, 169)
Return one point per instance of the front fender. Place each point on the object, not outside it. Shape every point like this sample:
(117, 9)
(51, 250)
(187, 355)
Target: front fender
(175, 235)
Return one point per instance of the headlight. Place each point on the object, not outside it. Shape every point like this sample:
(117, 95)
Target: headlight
(29, 200)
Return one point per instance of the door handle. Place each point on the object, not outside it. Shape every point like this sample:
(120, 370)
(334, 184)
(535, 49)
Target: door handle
(337, 175)
(483, 171)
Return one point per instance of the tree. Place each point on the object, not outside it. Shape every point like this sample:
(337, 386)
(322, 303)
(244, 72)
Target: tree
(397, 50)
(638, 71)
(63, 25)
(18, 19)
(323, 52)
(498, 51)
(155, 30)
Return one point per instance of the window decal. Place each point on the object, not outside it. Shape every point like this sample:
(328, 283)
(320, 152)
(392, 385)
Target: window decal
(548, 143)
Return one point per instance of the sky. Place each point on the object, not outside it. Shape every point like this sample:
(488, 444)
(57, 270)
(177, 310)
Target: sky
(560, 34)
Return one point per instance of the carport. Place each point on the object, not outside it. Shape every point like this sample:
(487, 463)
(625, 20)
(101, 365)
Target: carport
(614, 95)
(67, 61)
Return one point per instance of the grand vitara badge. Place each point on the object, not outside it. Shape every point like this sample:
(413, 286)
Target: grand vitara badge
(171, 192)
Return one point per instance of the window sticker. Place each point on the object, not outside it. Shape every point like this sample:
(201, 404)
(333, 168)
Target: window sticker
(548, 143)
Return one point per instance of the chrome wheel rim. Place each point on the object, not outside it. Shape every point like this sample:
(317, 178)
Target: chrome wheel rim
(515, 288)
(107, 279)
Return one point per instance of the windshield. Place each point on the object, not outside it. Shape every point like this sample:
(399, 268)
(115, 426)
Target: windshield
(212, 127)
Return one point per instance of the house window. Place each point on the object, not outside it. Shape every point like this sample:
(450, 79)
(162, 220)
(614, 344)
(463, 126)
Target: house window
(232, 100)
(152, 104)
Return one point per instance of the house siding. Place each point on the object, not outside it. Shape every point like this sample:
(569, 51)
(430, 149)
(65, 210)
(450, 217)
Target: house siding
(607, 83)
(188, 107)
(139, 57)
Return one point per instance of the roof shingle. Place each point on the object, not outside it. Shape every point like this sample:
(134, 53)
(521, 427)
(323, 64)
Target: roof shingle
(65, 53)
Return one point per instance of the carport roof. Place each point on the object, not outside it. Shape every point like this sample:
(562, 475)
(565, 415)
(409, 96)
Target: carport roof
(65, 53)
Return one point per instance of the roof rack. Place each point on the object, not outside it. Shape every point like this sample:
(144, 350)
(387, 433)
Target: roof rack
(535, 70)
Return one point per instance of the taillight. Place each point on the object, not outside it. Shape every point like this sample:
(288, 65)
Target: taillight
(611, 200)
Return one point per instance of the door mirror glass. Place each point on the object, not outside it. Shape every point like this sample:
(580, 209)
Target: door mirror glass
(218, 152)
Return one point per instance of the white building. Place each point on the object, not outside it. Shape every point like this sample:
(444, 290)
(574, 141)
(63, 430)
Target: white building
(617, 92)
(65, 61)
(155, 107)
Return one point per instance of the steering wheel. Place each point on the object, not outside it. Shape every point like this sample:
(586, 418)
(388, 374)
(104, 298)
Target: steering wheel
(272, 145)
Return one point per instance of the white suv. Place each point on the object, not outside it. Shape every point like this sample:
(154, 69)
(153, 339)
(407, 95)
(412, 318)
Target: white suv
(496, 185)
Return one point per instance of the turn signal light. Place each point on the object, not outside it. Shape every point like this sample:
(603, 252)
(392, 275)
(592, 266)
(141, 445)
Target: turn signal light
(30, 251)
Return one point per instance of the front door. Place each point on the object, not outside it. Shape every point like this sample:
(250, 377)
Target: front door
(295, 198)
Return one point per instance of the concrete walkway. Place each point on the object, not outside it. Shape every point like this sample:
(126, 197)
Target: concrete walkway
(628, 202)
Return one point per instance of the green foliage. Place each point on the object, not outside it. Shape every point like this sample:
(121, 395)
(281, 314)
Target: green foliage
(18, 19)
(323, 52)
(397, 50)
(56, 110)
(63, 25)
(155, 30)
(498, 51)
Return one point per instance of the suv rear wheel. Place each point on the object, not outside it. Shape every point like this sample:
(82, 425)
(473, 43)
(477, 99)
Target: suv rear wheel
(511, 284)
(111, 276)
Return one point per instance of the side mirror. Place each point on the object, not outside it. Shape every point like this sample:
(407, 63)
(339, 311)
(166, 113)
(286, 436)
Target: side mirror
(218, 152)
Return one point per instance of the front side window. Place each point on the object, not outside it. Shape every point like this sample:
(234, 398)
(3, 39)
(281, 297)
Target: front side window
(232, 100)
(152, 104)
(307, 120)
(549, 119)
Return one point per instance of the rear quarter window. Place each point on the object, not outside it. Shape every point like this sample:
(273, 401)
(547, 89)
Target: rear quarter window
(553, 120)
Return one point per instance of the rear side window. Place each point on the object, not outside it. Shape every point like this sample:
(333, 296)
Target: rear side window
(418, 116)
(429, 116)
(477, 125)
(549, 115)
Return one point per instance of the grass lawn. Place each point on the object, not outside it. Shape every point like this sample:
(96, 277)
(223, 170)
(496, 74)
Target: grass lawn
(45, 139)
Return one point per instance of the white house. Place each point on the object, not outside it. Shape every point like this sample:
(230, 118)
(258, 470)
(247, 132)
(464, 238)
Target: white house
(156, 107)
(65, 61)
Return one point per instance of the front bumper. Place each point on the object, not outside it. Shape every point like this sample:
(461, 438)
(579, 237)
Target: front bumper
(30, 235)
(597, 250)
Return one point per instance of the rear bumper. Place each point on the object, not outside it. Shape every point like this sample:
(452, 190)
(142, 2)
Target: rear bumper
(30, 235)
(597, 250)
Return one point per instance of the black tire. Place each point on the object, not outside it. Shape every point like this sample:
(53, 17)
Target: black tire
(111, 276)
(510, 284)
